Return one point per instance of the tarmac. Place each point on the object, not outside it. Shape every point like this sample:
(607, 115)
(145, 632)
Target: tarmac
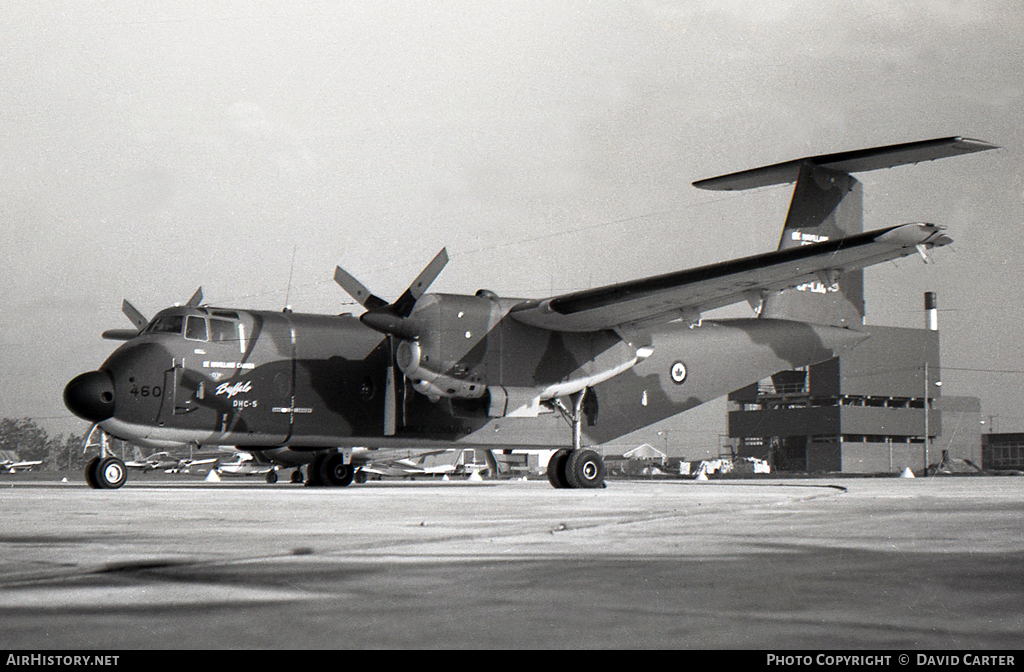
(828, 564)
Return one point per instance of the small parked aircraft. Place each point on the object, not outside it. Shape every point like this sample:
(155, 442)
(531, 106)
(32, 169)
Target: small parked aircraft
(10, 462)
(164, 462)
(245, 464)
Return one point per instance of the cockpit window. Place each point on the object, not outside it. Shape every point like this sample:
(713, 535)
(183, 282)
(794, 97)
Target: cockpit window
(195, 328)
(168, 324)
(222, 330)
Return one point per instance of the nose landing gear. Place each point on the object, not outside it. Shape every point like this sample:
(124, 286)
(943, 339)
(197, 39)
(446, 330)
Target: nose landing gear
(103, 472)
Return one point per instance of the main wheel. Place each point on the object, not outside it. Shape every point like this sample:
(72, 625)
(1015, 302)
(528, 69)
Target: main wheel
(90, 473)
(272, 476)
(110, 473)
(585, 469)
(334, 471)
(556, 469)
(297, 476)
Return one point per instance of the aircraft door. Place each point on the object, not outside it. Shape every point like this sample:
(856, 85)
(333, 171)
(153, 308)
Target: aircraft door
(256, 386)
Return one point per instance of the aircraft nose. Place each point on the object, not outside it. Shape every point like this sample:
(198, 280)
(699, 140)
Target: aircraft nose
(90, 396)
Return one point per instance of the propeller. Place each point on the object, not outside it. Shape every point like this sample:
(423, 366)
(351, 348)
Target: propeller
(391, 318)
(139, 320)
(136, 318)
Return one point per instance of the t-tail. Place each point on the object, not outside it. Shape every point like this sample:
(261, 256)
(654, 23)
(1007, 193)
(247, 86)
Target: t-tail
(827, 205)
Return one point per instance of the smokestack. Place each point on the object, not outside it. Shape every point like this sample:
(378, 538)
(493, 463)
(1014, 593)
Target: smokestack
(931, 312)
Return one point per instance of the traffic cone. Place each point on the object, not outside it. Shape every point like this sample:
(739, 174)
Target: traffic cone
(907, 473)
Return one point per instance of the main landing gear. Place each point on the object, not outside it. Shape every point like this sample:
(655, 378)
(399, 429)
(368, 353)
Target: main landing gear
(330, 469)
(577, 467)
(103, 472)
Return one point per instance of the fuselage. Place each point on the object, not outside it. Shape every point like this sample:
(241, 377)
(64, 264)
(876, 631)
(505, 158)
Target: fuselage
(260, 379)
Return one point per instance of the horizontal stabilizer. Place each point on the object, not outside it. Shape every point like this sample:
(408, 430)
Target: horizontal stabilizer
(856, 161)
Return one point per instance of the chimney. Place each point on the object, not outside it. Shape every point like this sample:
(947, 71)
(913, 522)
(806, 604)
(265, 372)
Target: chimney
(931, 312)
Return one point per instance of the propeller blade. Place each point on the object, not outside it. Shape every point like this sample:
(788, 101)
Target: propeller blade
(196, 299)
(407, 301)
(357, 290)
(137, 318)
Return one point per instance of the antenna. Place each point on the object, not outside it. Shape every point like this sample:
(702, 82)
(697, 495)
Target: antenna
(288, 292)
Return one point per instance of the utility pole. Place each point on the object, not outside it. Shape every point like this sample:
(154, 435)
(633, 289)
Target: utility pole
(927, 428)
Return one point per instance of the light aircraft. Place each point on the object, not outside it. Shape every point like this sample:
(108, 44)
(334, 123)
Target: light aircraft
(434, 371)
(407, 467)
(245, 464)
(163, 461)
(10, 463)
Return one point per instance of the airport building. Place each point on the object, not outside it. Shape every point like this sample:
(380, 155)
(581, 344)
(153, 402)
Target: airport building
(867, 412)
(1003, 451)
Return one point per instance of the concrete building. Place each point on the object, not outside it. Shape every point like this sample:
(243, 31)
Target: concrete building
(1002, 451)
(866, 413)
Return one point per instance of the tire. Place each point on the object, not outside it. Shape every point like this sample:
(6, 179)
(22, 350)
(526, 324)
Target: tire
(360, 477)
(90, 473)
(585, 469)
(335, 472)
(297, 476)
(111, 473)
(271, 477)
(556, 469)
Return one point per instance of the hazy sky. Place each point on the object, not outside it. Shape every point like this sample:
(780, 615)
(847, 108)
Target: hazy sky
(149, 148)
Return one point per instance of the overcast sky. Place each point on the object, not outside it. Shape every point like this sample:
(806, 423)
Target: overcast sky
(149, 148)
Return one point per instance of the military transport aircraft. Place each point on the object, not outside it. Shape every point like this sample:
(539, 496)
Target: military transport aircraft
(432, 371)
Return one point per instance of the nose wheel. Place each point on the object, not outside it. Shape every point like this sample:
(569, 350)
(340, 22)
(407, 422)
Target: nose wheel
(103, 472)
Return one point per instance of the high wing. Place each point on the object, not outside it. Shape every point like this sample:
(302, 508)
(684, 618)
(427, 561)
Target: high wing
(688, 293)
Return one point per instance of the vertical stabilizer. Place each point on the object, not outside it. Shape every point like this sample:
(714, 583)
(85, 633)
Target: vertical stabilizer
(827, 205)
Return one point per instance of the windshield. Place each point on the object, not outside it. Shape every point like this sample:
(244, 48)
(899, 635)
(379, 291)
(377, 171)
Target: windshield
(168, 324)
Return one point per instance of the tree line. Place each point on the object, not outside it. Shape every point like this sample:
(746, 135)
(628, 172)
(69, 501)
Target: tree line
(29, 441)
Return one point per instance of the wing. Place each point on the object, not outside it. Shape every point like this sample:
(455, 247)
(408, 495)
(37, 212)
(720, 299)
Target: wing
(686, 294)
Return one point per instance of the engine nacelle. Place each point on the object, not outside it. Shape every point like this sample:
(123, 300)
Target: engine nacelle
(416, 366)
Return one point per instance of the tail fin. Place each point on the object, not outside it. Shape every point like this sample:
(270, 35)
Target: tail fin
(828, 204)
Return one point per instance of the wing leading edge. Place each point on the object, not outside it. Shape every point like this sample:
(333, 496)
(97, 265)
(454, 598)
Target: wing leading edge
(688, 293)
